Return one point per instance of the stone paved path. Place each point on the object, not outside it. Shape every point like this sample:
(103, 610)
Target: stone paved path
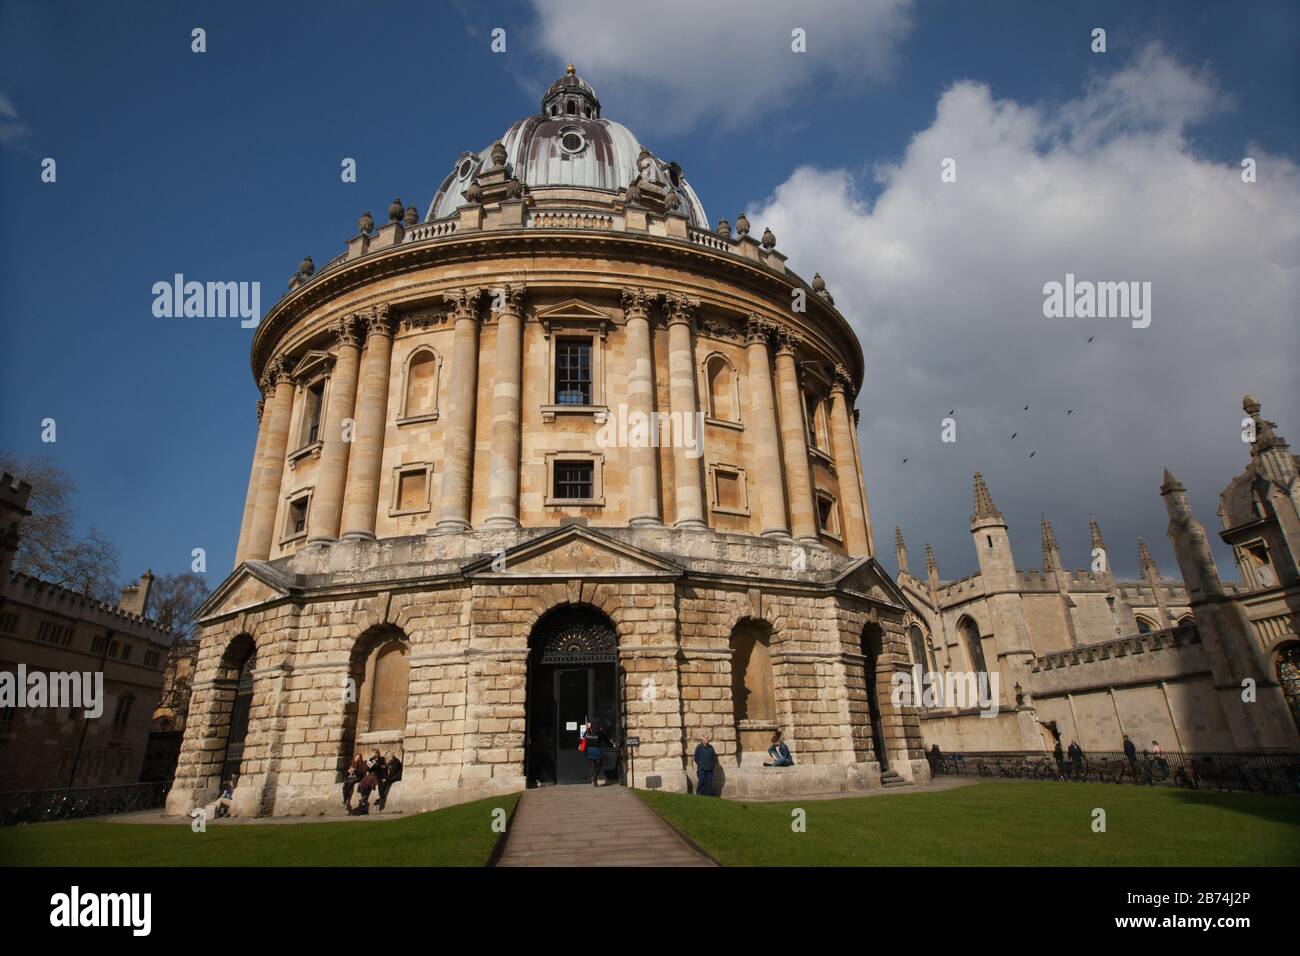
(592, 826)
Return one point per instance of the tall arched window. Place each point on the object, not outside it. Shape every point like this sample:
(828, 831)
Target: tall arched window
(974, 647)
(420, 399)
(919, 656)
(721, 377)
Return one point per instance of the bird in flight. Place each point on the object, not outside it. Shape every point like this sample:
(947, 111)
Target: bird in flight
(1090, 338)
(1014, 434)
(1069, 411)
(1026, 408)
(1032, 454)
(906, 460)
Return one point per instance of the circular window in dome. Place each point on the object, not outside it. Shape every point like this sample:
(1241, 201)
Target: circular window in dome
(466, 167)
(572, 141)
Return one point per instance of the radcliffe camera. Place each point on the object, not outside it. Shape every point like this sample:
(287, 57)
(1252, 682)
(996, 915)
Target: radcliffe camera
(557, 434)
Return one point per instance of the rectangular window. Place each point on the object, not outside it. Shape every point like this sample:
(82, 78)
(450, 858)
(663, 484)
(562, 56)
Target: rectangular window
(311, 412)
(573, 480)
(728, 489)
(126, 652)
(297, 517)
(573, 372)
(412, 490)
(8, 623)
(99, 645)
(151, 658)
(826, 514)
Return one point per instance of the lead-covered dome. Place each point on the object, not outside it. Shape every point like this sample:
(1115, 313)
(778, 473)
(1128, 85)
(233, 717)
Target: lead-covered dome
(568, 145)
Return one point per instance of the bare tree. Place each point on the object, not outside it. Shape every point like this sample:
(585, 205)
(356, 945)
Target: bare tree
(49, 547)
(174, 601)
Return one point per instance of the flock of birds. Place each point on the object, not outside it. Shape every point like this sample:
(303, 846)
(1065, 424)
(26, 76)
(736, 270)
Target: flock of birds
(1068, 411)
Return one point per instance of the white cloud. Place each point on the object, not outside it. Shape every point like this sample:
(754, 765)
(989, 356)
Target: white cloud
(673, 63)
(943, 283)
(12, 127)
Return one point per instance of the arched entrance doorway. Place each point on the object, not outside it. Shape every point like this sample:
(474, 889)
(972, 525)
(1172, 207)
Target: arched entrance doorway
(872, 644)
(572, 678)
(241, 658)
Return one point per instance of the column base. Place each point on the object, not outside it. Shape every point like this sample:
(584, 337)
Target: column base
(500, 521)
(645, 521)
(779, 533)
(691, 524)
(450, 526)
(320, 541)
(358, 536)
(810, 540)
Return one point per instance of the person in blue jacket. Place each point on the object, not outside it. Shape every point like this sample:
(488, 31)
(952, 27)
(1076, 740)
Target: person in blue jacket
(706, 758)
(779, 753)
(592, 737)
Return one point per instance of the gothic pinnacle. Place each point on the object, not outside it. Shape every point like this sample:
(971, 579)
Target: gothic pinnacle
(984, 507)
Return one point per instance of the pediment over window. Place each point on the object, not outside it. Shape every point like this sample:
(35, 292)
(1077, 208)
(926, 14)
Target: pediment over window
(569, 552)
(573, 313)
(314, 363)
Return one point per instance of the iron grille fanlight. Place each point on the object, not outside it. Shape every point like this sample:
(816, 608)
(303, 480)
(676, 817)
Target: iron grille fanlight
(575, 636)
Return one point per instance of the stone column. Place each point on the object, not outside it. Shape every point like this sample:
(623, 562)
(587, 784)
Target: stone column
(794, 441)
(503, 478)
(458, 434)
(685, 405)
(327, 503)
(765, 438)
(361, 494)
(846, 466)
(250, 499)
(261, 532)
(643, 482)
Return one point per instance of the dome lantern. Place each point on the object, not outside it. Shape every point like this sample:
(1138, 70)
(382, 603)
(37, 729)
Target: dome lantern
(571, 95)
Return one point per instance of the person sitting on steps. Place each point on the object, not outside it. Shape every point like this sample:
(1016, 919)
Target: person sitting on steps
(779, 753)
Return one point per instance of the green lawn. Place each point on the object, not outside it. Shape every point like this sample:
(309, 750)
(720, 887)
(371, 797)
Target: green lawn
(997, 824)
(456, 836)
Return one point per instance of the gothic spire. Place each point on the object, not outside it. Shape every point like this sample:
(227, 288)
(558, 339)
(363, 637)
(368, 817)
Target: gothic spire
(900, 549)
(984, 507)
(931, 566)
(1094, 534)
(1146, 562)
(1051, 552)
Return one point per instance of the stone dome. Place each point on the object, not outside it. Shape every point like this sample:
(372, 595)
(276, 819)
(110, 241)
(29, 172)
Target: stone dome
(566, 146)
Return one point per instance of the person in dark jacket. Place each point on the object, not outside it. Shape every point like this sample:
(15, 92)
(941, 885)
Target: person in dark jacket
(1131, 752)
(1076, 757)
(706, 758)
(592, 736)
(1059, 754)
(392, 774)
(356, 770)
(779, 753)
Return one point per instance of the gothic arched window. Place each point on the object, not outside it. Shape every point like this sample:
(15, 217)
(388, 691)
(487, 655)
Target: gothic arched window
(974, 647)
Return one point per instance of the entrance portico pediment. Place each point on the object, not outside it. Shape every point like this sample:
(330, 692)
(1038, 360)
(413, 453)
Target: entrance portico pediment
(573, 552)
(248, 586)
(866, 576)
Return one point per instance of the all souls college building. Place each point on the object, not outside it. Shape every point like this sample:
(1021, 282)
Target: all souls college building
(444, 553)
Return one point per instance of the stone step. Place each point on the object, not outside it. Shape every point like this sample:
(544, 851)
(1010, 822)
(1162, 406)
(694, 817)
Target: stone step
(891, 778)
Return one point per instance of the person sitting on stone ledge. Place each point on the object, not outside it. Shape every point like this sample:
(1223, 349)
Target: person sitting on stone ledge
(356, 770)
(374, 775)
(779, 753)
(220, 807)
(392, 774)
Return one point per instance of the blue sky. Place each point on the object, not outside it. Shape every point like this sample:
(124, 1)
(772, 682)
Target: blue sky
(225, 166)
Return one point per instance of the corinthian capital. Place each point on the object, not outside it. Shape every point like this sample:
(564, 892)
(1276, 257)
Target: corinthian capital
(278, 370)
(346, 332)
(681, 308)
(637, 302)
(841, 379)
(758, 331)
(786, 340)
(462, 303)
(508, 298)
(378, 319)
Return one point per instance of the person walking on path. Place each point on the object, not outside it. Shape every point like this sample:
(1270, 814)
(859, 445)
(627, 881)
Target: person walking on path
(706, 758)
